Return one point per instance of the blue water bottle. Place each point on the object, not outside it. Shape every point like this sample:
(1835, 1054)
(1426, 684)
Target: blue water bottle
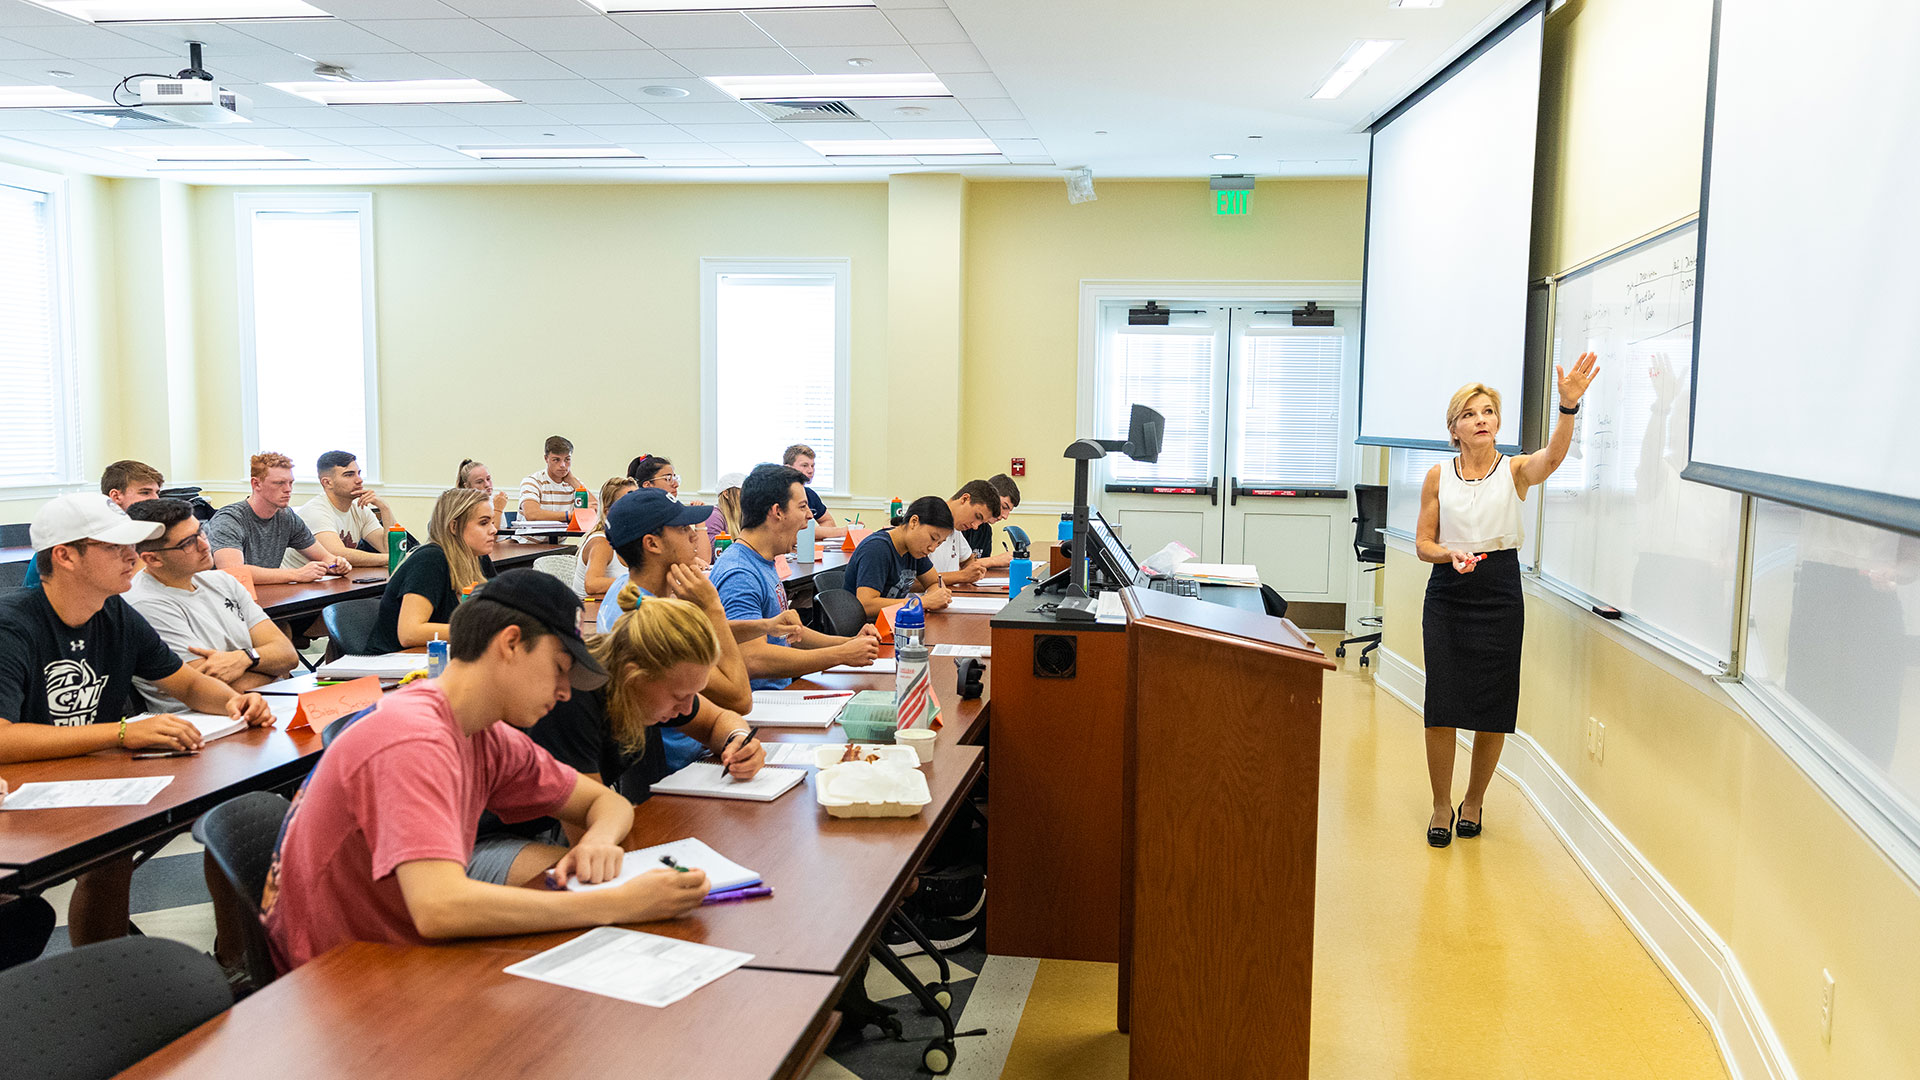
(1020, 570)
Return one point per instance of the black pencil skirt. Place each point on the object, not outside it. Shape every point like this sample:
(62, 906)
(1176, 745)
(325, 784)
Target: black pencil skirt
(1472, 628)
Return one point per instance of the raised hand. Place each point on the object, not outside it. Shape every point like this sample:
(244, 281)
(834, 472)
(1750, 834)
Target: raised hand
(1573, 384)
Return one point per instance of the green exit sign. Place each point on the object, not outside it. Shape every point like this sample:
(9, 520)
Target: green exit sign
(1232, 203)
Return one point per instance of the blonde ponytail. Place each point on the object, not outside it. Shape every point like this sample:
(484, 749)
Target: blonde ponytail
(647, 640)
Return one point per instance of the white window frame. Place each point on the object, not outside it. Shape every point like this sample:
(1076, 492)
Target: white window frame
(841, 271)
(245, 205)
(65, 360)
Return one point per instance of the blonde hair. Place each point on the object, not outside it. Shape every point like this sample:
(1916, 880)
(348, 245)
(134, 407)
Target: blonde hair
(1457, 405)
(451, 512)
(648, 639)
(609, 494)
(729, 501)
(258, 465)
(465, 476)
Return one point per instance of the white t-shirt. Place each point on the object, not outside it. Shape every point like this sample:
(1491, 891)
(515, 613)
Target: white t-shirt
(951, 553)
(354, 524)
(552, 494)
(615, 567)
(215, 614)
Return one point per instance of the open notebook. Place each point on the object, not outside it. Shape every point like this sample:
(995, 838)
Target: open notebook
(709, 779)
(798, 708)
(722, 873)
(390, 666)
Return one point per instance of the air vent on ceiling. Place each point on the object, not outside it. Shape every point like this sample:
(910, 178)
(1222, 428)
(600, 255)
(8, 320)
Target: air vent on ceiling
(803, 110)
(119, 119)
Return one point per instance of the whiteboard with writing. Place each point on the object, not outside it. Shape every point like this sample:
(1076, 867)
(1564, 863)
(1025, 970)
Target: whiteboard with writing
(1621, 526)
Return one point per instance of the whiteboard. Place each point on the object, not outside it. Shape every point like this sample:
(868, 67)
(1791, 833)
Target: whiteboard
(1621, 525)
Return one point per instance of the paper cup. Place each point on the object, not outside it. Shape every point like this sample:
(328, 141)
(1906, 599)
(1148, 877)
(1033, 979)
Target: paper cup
(921, 739)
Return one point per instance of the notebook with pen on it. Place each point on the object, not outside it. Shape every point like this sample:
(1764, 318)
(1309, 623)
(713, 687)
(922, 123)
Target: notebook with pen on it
(709, 780)
(722, 873)
(798, 708)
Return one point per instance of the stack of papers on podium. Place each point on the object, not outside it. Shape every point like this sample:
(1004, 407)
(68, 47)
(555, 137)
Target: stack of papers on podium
(1241, 574)
(798, 708)
(390, 666)
(723, 873)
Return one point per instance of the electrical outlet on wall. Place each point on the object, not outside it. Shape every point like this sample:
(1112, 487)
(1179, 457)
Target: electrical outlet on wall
(1599, 741)
(1826, 1006)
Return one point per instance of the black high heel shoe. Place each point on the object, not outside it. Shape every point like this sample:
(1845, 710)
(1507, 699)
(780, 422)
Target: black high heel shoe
(1441, 837)
(1467, 829)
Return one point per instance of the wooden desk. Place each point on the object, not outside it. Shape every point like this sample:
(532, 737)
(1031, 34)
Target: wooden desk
(962, 722)
(291, 601)
(42, 847)
(434, 1012)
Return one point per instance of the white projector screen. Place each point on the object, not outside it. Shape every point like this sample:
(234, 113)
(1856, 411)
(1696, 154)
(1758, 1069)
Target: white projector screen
(1807, 369)
(1449, 224)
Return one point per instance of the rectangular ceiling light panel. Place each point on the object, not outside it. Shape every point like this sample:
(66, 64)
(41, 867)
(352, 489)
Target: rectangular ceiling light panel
(763, 87)
(44, 97)
(1354, 63)
(901, 147)
(140, 11)
(397, 92)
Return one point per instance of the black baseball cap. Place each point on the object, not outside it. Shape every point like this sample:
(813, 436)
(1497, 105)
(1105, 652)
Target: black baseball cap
(647, 511)
(550, 602)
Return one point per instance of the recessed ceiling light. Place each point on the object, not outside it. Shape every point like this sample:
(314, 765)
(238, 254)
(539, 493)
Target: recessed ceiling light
(860, 61)
(397, 92)
(137, 11)
(547, 151)
(665, 91)
(206, 153)
(616, 7)
(762, 87)
(1225, 157)
(61, 74)
(900, 147)
(1256, 136)
(1415, 3)
(1353, 63)
(43, 97)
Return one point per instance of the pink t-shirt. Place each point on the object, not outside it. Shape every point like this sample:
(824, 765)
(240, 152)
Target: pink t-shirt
(402, 784)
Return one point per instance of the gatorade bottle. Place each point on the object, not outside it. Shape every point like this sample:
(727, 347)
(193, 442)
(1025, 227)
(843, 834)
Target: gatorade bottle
(396, 547)
(466, 594)
(893, 512)
(721, 543)
(912, 680)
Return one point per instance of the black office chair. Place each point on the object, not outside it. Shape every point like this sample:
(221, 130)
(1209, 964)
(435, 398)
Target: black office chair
(240, 835)
(350, 625)
(830, 579)
(92, 1012)
(20, 535)
(1275, 604)
(13, 574)
(339, 726)
(1369, 546)
(839, 612)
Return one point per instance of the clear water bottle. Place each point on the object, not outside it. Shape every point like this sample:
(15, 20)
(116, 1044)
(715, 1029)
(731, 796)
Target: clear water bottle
(913, 676)
(803, 545)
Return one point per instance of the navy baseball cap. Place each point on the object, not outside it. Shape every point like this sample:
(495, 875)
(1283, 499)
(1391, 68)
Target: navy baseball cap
(550, 602)
(647, 511)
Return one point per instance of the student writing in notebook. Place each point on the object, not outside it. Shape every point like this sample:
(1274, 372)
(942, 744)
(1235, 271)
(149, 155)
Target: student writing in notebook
(657, 657)
(976, 503)
(892, 563)
(377, 843)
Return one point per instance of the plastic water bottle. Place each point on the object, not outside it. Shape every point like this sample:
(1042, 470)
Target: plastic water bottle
(436, 657)
(893, 510)
(803, 546)
(396, 547)
(913, 676)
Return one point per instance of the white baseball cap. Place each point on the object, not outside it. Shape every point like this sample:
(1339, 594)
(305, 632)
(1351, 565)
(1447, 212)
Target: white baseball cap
(88, 517)
(731, 480)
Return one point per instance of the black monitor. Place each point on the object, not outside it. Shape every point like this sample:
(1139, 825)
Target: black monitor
(1110, 555)
(1144, 431)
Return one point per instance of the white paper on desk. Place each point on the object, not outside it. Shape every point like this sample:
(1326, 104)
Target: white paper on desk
(883, 666)
(791, 708)
(792, 753)
(708, 779)
(963, 650)
(992, 583)
(977, 605)
(56, 794)
(385, 666)
(211, 727)
(722, 873)
(627, 965)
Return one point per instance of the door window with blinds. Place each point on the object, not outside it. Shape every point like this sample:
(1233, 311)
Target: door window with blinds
(775, 363)
(38, 445)
(307, 327)
(1288, 430)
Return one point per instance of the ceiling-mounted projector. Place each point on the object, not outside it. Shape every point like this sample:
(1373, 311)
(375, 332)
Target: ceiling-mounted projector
(199, 102)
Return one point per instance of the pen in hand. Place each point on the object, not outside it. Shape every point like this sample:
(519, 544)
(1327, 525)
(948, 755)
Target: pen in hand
(668, 860)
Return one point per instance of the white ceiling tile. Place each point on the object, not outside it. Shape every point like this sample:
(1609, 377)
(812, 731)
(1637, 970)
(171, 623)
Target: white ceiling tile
(372, 10)
(457, 135)
(19, 13)
(390, 66)
(776, 162)
(317, 37)
(279, 67)
(545, 92)
(220, 40)
(93, 138)
(720, 134)
(1029, 159)
(566, 35)
(705, 113)
(629, 134)
(265, 135)
(828, 26)
(425, 154)
(36, 119)
(738, 61)
(870, 161)
(558, 134)
(34, 72)
(77, 41)
(445, 35)
(993, 109)
(508, 9)
(634, 63)
(928, 26)
(696, 30)
(887, 110)
(402, 115)
(963, 159)
(974, 84)
(601, 114)
(687, 151)
(698, 90)
(13, 50)
(954, 58)
(889, 5)
(937, 130)
(998, 130)
(834, 130)
(310, 116)
(1020, 146)
(495, 114)
(502, 65)
(887, 59)
(790, 150)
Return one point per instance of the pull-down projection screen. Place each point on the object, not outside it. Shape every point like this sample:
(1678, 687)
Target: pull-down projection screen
(1449, 221)
(1807, 365)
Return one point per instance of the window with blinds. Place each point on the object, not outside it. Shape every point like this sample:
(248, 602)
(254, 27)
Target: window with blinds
(307, 328)
(1290, 400)
(776, 363)
(1169, 369)
(37, 430)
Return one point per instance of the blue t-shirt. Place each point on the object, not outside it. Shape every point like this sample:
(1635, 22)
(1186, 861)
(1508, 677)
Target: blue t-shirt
(749, 588)
(814, 502)
(875, 565)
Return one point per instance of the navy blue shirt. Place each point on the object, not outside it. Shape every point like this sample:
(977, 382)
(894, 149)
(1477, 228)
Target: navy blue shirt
(814, 502)
(875, 565)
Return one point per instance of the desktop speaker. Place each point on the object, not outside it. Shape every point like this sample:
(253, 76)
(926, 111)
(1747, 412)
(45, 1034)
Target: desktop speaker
(1055, 656)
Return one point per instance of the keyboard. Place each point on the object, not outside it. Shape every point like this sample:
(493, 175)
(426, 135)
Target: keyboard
(1108, 606)
(1178, 586)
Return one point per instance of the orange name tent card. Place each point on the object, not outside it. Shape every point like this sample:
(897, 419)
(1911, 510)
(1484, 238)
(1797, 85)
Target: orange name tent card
(244, 575)
(318, 708)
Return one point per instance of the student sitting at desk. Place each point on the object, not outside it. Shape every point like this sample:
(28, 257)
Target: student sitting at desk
(975, 504)
(652, 471)
(69, 652)
(547, 495)
(595, 566)
(726, 508)
(345, 514)
(800, 457)
(980, 539)
(258, 530)
(421, 596)
(472, 474)
(204, 615)
(125, 482)
(657, 657)
(378, 840)
(892, 563)
(773, 508)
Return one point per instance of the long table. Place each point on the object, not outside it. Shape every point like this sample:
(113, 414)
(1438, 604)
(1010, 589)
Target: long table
(291, 601)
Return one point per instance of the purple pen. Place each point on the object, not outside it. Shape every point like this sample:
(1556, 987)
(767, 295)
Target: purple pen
(744, 893)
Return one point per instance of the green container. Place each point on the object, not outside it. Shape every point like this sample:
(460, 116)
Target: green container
(870, 717)
(396, 547)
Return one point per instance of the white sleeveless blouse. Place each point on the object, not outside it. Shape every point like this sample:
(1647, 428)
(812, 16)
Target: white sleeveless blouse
(1479, 515)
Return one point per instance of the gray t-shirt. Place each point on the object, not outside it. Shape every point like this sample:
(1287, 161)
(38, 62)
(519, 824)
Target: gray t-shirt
(216, 614)
(262, 542)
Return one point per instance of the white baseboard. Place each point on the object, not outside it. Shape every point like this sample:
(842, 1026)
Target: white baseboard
(1693, 956)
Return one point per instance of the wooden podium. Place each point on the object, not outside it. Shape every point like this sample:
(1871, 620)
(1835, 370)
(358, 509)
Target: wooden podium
(1197, 760)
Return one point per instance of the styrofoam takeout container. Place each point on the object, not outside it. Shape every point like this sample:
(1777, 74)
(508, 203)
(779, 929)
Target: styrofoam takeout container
(882, 790)
(827, 755)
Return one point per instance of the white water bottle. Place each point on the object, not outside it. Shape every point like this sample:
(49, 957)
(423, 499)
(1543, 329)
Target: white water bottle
(913, 667)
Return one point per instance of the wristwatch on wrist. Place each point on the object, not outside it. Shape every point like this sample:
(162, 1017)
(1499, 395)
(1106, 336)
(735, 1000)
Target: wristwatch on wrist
(253, 657)
(1570, 412)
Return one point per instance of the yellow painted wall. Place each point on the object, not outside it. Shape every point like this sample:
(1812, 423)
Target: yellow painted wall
(1779, 873)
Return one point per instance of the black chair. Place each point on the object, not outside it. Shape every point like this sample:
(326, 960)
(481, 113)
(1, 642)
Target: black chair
(839, 612)
(835, 579)
(20, 535)
(240, 835)
(13, 574)
(350, 625)
(89, 1013)
(1369, 546)
(1275, 604)
(340, 725)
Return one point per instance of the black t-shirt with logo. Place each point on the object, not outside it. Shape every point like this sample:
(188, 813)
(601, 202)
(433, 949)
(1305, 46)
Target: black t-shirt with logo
(52, 673)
